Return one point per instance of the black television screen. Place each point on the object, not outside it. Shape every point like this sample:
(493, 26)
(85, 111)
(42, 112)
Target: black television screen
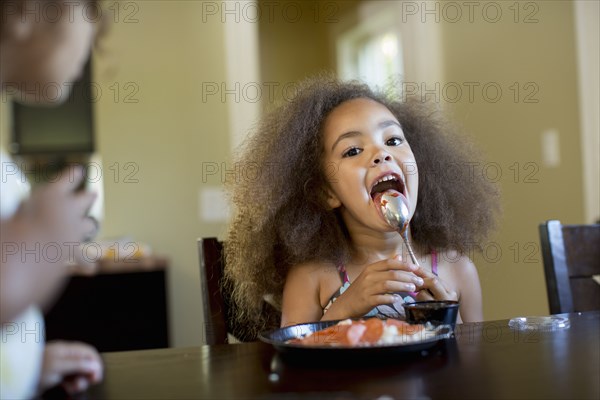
(61, 129)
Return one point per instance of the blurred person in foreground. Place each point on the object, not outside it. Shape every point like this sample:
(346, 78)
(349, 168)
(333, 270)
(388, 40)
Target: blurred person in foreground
(42, 43)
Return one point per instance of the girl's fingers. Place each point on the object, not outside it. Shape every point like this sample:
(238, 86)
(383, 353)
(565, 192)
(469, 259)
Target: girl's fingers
(435, 286)
(423, 273)
(390, 286)
(399, 264)
(395, 263)
(385, 299)
(437, 290)
(402, 276)
(424, 295)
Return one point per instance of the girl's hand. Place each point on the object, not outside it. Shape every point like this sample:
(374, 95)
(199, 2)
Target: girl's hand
(434, 288)
(375, 286)
(74, 365)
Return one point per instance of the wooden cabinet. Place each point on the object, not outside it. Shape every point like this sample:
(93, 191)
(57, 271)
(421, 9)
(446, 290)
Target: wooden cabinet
(123, 307)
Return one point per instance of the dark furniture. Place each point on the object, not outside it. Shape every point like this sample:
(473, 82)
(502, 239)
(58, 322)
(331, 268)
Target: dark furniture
(485, 361)
(216, 313)
(571, 255)
(47, 139)
(218, 306)
(123, 307)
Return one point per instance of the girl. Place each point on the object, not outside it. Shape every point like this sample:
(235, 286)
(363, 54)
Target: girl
(307, 229)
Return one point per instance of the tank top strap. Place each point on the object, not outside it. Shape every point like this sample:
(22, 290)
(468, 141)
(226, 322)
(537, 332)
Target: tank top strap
(434, 265)
(343, 274)
(345, 284)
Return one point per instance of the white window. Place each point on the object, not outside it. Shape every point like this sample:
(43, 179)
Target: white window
(371, 51)
(383, 50)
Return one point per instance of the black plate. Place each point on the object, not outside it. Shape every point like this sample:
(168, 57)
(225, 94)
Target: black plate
(279, 337)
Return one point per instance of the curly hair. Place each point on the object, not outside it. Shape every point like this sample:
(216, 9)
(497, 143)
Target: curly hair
(281, 217)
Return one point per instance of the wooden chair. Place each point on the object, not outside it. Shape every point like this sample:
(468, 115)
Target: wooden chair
(216, 312)
(217, 303)
(571, 255)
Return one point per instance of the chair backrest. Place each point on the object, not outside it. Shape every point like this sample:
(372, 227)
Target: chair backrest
(211, 276)
(571, 256)
(218, 306)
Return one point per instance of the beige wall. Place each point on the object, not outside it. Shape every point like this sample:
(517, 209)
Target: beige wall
(294, 46)
(510, 131)
(5, 120)
(168, 134)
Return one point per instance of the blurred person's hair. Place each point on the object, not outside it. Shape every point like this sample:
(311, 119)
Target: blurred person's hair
(23, 7)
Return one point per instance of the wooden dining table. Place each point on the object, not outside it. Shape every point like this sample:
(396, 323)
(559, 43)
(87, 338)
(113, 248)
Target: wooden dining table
(486, 360)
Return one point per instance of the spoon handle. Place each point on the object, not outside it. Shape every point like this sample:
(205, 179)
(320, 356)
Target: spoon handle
(410, 250)
(413, 258)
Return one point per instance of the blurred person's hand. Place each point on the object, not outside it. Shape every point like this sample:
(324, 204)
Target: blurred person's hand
(59, 211)
(41, 239)
(73, 365)
(82, 262)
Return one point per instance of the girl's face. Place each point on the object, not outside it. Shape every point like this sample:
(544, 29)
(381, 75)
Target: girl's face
(364, 144)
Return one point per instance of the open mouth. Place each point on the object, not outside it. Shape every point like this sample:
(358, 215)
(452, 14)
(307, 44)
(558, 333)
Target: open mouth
(385, 183)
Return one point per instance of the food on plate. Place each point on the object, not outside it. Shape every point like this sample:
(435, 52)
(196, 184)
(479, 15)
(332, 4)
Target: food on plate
(367, 332)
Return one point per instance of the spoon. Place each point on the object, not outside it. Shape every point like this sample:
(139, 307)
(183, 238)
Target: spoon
(395, 211)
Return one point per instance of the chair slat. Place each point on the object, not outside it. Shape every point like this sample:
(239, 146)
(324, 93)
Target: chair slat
(218, 306)
(571, 257)
(586, 294)
(211, 274)
(582, 246)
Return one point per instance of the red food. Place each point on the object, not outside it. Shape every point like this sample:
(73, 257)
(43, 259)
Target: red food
(374, 330)
(362, 332)
(347, 335)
